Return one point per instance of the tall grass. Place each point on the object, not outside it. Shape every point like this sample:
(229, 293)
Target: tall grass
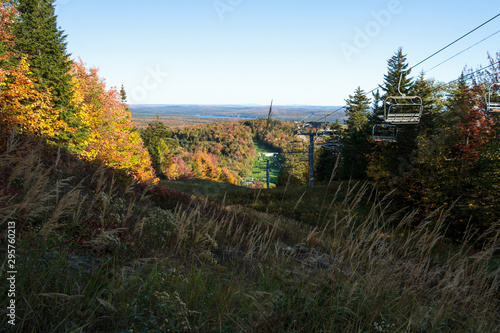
(98, 253)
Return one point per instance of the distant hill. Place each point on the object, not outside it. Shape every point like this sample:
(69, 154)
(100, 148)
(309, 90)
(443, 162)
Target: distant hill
(286, 112)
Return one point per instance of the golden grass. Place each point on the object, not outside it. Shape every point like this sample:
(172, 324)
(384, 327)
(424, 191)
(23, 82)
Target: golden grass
(99, 255)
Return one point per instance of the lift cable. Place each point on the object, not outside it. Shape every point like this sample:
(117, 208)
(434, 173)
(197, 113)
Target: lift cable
(432, 55)
(482, 40)
(456, 40)
(475, 72)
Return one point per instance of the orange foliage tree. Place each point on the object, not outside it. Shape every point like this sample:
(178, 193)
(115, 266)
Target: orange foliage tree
(22, 106)
(112, 136)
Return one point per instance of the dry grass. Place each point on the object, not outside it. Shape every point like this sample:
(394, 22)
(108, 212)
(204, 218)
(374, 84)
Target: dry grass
(97, 254)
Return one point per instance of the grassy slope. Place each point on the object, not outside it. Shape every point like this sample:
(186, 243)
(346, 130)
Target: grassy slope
(202, 188)
(97, 254)
(259, 170)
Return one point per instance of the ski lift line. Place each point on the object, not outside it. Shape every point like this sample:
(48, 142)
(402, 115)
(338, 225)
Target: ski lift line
(459, 53)
(475, 72)
(437, 52)
(470, 74)
(331, 113)
(456, 40)
(312, 114)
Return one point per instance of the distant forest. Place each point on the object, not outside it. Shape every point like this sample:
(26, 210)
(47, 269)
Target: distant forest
(293, 112)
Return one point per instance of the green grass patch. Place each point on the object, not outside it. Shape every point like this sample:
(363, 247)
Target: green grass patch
(203, 188)
(259, 172)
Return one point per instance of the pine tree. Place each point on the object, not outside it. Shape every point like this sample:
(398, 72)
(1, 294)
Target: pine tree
(123, 95)
(377, 109)
(38, 36)
(357, 110)
(432, 95)
(388, 163)
(356, 144)
(397, 78)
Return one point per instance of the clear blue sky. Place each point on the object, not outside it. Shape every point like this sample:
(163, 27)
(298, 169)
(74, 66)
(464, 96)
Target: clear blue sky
(312, 52)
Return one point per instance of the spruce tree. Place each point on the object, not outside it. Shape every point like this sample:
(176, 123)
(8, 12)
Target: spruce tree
(377, 109)
(356, 144)
(357, 107)
(432, 94)
(397, 69)
(388, 163)
(38, 36)
(123, 95)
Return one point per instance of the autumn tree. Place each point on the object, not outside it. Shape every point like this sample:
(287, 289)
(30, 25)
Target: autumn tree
(38, 37)
(22, 106)
(164, 150)
(458, 164)
(112, 136)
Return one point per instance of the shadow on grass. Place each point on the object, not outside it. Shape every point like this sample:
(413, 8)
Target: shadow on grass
(203, 188)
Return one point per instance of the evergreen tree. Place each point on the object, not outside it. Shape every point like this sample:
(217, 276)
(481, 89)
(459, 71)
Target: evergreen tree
(38, 36)
(398, 77)
(389, 163)
(458, 162)
(325, 162)
(156, 139)
(377, 109)
(123, 95)
(357, 110)
(432, 95)
(356, 141)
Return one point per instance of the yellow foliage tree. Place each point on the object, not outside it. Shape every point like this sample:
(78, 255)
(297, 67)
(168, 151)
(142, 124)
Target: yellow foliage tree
(112, 137)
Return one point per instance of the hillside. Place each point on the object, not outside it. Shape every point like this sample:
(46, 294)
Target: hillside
(107, 226)
(97, 252)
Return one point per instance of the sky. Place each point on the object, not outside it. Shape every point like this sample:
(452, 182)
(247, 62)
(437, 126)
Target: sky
(295, 52)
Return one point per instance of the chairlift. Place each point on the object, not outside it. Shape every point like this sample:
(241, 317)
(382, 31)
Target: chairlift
(331, 146)
(384, 133)
(492, 107)
(402, 109)
(334, 148)
(312, 124)
(329, 139)
(327, 132)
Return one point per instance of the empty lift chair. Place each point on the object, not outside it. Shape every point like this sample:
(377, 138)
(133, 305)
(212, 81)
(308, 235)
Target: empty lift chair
(403, 110)
(398, 110)
(493, 107)
(385, 133)
(329, 139)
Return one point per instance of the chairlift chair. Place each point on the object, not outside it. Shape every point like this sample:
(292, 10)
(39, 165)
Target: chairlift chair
(330, 140)
(385, 133)
(298, 131)
(312, 124)
(327, 132)
(492, 107)
(335, 148)
(403, 110)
